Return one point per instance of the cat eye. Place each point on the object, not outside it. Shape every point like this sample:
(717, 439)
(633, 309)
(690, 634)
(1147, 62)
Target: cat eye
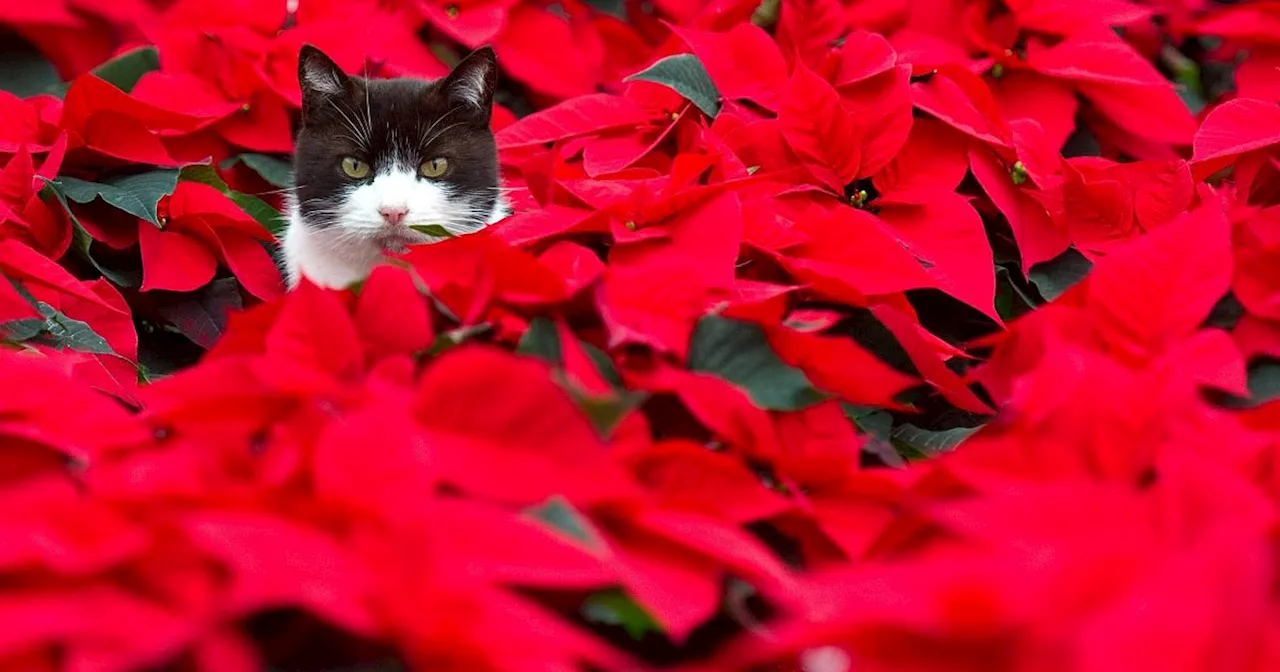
(355, 168)
(435, 167)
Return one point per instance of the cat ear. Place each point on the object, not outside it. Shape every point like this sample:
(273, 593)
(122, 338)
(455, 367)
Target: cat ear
(473, 80)
(318, 76)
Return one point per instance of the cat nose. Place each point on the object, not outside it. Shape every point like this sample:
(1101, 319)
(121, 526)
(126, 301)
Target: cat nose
(393, 214)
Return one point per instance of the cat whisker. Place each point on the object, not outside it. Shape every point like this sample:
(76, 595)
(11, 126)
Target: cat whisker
(351, 124)
(441, 132)
(437, 123)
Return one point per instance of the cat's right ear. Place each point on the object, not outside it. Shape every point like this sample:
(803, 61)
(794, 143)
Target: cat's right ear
(319, 77)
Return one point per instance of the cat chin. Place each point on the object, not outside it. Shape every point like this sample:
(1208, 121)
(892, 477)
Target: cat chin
(330, 257)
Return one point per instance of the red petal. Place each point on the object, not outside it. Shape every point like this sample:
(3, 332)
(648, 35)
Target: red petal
(744, 62)
(819, 129)
(173, 261)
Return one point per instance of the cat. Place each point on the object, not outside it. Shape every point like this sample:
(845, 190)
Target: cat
(375, 157)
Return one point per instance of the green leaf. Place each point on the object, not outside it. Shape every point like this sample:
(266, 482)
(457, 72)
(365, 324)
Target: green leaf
(1226, 313)
(125, 70)
(434, 230)
(541, 340)
(82, 242)
(202, 317)
(614, 8)
(739, 353)
(927, 442)
(255, 207)
(605, 411)
(454, 337)
(874, 422)
(766, 14)
(261, 211)
(614, 607)
(684, 74)
(276, 171)
(558, 514)
(27, 73)
(1011, 301)
(136, 194)
(1054, 277)
(1264, 381)
(56, 329)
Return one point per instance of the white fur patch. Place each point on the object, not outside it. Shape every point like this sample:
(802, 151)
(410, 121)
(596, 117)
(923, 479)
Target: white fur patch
(321, 78)
(343, 253)
(469, 87)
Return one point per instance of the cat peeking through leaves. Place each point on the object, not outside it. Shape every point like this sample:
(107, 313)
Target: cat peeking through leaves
(381, 164)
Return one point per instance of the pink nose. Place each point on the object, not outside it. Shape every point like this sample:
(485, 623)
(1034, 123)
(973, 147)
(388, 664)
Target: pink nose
(393, 214)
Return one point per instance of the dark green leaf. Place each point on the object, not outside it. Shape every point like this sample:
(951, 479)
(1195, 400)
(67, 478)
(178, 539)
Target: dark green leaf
(739, 353)
(874, 422)
(20, 331)
(1011, 301)
(83, 242)
(27, 73)
(877, 424)
(605, 411)
(1226, 312)
(614, 607)
(204, 174)
(928, 442)
(125, 70)
(276, 171)
(1264, 381)
(260, 210)
(137, 194)
(1081, 142)
(56, 329)
(604, 364)
(202, 317)
(541, 340)
(684, 74)
(1054, 277)
(455, 337)
(558, 514)
(615, 8)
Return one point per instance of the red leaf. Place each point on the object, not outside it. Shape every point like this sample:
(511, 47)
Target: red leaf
(1161, 287)
(530, 444)
(579, 116)
(1232, 129)
(744, 63)
(963, 100)
(840, 366)
(391, 315)
(313, 342)
(820, 130)
(173, 261)
(693, 478)
(1039, 238)
(942, 229)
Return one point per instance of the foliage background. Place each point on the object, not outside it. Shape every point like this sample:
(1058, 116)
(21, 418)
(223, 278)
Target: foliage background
(828, 335)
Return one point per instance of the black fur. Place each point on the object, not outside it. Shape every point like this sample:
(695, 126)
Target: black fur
(408, 120)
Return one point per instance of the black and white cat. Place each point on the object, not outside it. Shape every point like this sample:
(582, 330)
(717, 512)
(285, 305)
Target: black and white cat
(375, 157)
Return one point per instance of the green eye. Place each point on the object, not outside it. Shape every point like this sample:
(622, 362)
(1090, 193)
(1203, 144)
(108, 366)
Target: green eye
(355, 168)
(435, 167)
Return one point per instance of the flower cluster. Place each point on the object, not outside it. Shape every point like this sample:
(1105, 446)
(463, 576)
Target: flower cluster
(826, 335)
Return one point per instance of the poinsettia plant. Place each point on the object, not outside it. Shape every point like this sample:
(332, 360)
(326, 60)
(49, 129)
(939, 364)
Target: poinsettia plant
(826, 335)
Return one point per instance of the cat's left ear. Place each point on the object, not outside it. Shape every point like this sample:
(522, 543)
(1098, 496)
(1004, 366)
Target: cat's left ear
(473, 81)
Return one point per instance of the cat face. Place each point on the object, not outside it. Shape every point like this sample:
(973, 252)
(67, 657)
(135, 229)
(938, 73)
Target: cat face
(377, 157)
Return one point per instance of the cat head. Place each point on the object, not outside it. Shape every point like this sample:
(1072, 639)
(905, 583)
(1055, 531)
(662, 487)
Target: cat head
(377, 156)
